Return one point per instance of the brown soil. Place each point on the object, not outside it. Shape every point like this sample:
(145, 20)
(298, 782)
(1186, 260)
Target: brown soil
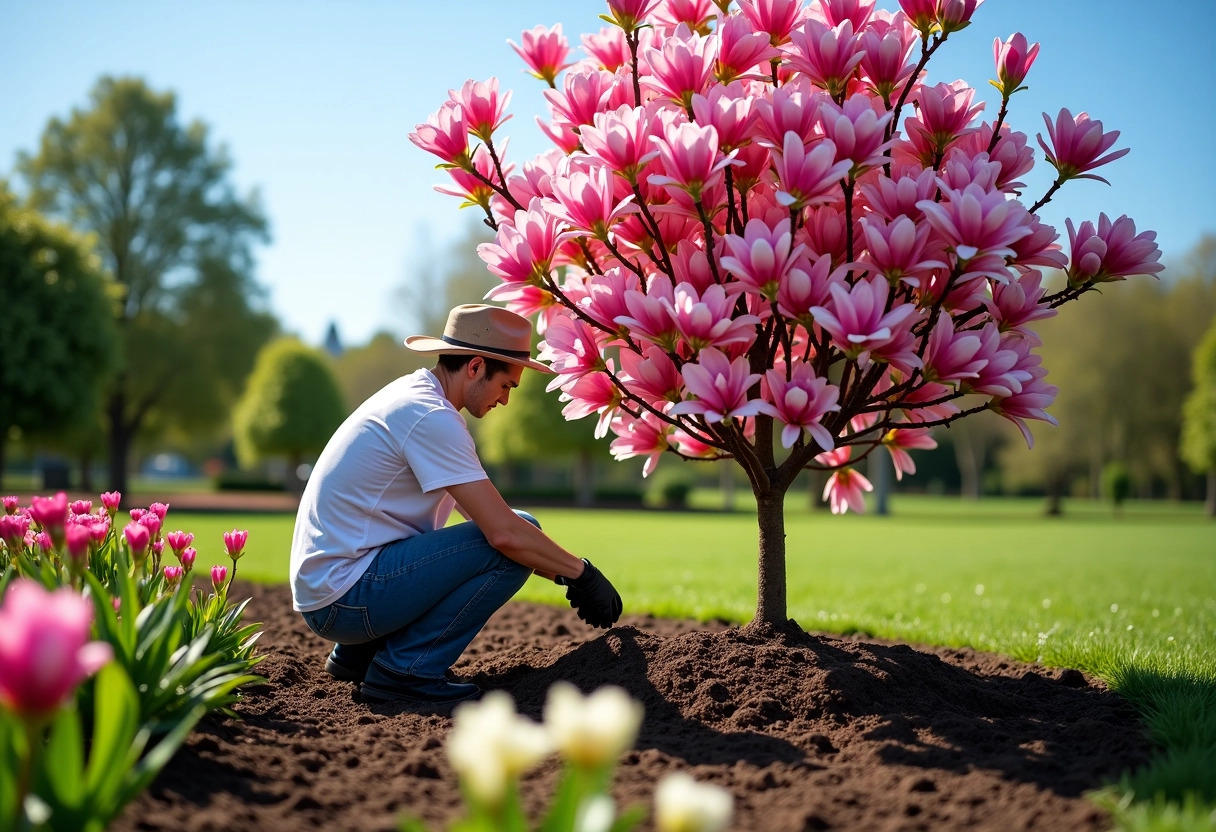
(807, 731)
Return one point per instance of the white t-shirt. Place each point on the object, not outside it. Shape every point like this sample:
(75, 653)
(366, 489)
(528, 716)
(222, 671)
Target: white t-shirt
(380, 479)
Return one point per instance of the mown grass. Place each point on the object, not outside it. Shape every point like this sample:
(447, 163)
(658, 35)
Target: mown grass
(1130, 598)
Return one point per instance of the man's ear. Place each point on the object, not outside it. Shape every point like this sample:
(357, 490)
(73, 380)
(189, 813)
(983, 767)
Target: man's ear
(476, 366)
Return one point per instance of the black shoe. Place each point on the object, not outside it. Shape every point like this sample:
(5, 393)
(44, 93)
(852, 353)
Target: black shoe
(386, 686)
(343, 672)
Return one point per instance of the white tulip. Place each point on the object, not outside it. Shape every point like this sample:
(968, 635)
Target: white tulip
(591, 730)
(596, 814)
(684, 805)
(490, 745)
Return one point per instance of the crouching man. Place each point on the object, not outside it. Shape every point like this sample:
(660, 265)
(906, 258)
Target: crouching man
(374, 567)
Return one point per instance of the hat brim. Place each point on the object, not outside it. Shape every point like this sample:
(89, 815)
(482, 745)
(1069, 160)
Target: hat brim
(427, 345)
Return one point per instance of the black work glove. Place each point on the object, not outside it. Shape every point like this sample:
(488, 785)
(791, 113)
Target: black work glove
(593, 597)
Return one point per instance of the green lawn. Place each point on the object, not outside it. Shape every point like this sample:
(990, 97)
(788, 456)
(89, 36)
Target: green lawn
(1131, 599)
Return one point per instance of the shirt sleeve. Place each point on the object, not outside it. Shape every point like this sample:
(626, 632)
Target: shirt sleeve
(441, 452)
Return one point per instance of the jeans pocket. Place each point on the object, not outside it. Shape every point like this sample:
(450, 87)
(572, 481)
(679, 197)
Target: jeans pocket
(347, 625)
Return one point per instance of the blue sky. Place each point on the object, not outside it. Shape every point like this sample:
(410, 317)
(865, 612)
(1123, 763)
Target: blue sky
(314, 101)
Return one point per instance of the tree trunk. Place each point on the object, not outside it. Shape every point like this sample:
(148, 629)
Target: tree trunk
(967, 461)
(86, 470)
(120, 440)
(1055, 495)
(770, 595)
(880, 473)
(1211, 500)
(584, 479)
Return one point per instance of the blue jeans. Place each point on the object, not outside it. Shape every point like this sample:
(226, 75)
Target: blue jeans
(421, 602)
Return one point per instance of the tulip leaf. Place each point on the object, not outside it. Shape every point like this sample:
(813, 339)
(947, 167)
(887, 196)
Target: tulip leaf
(63, 759)
(115, 724)
(12, 751)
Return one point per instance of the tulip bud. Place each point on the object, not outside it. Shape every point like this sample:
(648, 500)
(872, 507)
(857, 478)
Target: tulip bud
(173, 575)
(153, 522)
(490, 745)
(159, 509)
(591, 731)
(187, 558)
(234, 542)
(78, 536)
(219, 577)
(111, 500)
(82, 507)
(138, 538)
(684, 805)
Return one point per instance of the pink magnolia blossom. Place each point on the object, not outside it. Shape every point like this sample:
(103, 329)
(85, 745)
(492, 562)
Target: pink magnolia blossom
(978, 224)
(856, 130)
(961, 169)
(219, 577)
(898, 440)
(1112, 251)
(607, 47)
(138, 537)
(445, 134)
(953, 15)
(890, 197)
(111, 500)
(692, 446)
(572, 348)
(587, 201)
(1077, 145)
(695, 14)
(474, 188)
(561, 132)
(776, 18)
(544, 50)
(690, 157)
(50, 512)
(621, 140)
(856, 12)
(652, 375)
(728, 109)
(1039, 248)
(483, 109)
(1029, 404)
(887, 48)
(234, 542)
(792, 107)
(582, 95)
(592, 393)
(804, 178)
(682, 66)
(720, 387)
(1016, 303)
(81, 507)
(523, 250)
(649, 317)
(943, 115)
(691, 265)
(45, 650)
(845, 490)
(1013, 59)
(896, 250)
(826, 55)
(1003, 374)
(857, 318)
(799, 403)
(952, 356)
(629, 14)
(806, 286)
(741, 48)
(645, 436)
(1012, 153)
(605, 298)
(763, 256)
(825, 233)
(705, 319)
(922, 14)
(929, 402)
(173, 575)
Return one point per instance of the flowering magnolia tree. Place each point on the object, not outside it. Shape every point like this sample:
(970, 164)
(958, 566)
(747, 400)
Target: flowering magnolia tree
(764, 235)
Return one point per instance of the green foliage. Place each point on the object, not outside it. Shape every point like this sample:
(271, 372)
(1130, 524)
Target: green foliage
(58, 338)
(174, 236)
(1198, 446)
(361, 371)
(1116, 482)
(291, 406)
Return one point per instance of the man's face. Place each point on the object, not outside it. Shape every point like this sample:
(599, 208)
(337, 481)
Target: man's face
(486, 392)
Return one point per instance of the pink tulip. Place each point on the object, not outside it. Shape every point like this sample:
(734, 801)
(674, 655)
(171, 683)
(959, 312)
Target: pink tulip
(219, 577)
(11, 504)
(77, 537)
(707, 319)
(234, 542)
(793, 107)
(652, 375)
(1112, 251)
(741, 48)
(953, 15)
(720, 387)
(50, 512)
(445, 135)
(179, 540)
(607, 47)
(544, 51)
(153, 523)
(896, 250)
(799, 403)
(137, 514)
(807, 179)
(159, 509)
(44, 541)
(482, 108)
(629, 14)
(187, 558)
(81, 507)
(99, 529)
(857, 132)
(682, 66)
(12, 530)
(1013, 59)
(776, 18)
(762, 258)
(690, 158)
(857, 318)
(44, 648)
(173, 575)
(887, 49)
(111, 501)
(1077, 145)
(898, 440)
(645, 436)
(138, 537)
(826, 55)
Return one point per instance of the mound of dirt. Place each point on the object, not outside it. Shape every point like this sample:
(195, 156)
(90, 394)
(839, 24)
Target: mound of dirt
(807, 731)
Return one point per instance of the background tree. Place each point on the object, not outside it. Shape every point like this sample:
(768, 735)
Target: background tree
(57, 338)
(291, 406)
(361, 371)
(159, 199)
(1199, 416)
(440, 281)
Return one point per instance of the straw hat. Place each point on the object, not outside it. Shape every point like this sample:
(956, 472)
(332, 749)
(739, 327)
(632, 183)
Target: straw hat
(485, 330)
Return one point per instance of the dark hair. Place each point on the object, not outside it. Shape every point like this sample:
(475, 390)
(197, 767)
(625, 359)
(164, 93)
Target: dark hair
(454, 363)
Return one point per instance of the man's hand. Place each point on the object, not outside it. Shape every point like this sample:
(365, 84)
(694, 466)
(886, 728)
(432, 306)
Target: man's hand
(593, 597)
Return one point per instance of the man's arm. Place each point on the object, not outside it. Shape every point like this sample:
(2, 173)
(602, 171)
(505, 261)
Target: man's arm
(512, 535)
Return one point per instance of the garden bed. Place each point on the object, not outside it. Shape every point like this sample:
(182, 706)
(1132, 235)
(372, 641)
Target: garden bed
(807, 731)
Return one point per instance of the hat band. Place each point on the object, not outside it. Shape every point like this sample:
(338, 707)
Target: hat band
(522, 355)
